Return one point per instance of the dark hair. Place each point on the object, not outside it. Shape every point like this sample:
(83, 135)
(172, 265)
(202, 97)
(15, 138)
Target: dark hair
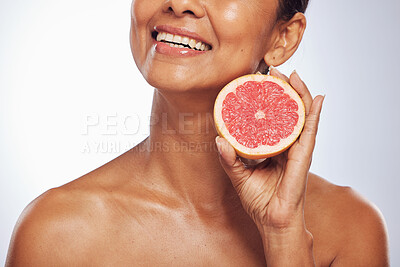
(288, 8)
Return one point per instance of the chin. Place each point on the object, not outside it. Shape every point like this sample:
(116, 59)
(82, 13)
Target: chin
(175, 79)
(173, 85)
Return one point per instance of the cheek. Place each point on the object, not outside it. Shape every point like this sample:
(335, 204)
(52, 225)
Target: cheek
(141, 13)
(243, 23)
(242, 30)
(231, 13)
(142, 10)
(231, 20)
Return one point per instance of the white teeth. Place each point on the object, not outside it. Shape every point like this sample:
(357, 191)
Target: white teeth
(163, 35)
(177, 39)
(185, 40)
(169, 37)
(192, 43)
(198, 45)
(180, 41)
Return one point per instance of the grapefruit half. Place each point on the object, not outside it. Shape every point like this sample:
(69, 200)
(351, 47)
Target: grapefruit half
(259, 115)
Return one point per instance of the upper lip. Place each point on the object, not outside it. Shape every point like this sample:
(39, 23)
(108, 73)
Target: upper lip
(182, 32)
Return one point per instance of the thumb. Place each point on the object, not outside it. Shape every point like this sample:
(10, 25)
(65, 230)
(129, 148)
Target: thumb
(231, 163)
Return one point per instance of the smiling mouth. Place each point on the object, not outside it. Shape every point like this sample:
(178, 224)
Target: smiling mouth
(180, 41)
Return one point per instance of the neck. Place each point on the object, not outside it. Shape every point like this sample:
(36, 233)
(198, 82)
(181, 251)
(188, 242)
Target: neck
(182, 150)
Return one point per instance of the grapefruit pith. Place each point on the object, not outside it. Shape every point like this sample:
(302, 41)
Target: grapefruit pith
(259, 115)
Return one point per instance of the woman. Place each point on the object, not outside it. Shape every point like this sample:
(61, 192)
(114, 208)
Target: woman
(182, 197)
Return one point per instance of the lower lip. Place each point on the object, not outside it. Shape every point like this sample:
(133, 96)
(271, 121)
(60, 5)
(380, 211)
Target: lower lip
(165, 49)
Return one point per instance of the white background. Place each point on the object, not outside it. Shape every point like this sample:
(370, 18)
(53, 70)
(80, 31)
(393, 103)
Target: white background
(66, 64)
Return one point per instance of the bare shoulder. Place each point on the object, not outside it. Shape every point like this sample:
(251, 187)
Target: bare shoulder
(347, 223)
(53, 228)
(84, 222)
(67, 225)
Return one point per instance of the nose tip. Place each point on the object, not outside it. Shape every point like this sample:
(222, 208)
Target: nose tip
(183, 8)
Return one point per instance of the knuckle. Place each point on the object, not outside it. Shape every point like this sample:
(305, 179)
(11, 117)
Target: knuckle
(311, 129)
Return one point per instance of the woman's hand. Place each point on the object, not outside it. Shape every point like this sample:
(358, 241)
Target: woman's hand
(273, 192)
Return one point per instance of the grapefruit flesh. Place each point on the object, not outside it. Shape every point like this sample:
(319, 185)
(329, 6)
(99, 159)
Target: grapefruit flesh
(259, 115)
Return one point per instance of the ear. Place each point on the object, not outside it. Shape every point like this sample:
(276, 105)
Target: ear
(287, 40)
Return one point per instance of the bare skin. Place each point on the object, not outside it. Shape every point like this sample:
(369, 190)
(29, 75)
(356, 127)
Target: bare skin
(182, 198)
(123, 214)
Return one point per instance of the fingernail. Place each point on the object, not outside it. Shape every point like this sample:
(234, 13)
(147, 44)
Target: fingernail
(323, 99)
(296, 74)
(218, 143)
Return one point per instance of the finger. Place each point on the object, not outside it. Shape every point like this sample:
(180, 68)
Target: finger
(275, 72)
(231, 163)
(309, 133)
(294, 182)
(302, 90)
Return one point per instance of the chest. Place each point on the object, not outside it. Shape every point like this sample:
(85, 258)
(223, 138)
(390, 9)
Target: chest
(179, 243)
(175, 251)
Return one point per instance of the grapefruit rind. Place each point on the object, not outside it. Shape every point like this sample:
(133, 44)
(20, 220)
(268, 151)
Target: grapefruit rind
(262, 151)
